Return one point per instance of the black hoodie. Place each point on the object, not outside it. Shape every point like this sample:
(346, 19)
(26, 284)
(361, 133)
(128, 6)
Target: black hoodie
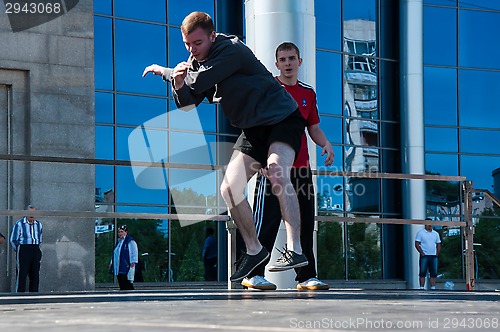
(233, 76)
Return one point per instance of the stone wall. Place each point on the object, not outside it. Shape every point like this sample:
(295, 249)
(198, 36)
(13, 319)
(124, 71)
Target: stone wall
(47, 109)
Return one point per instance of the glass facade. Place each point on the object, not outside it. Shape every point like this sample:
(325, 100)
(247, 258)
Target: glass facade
(461, 123)
(357, 90)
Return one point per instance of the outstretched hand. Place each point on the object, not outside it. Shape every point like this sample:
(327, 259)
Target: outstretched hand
(155, 69)
(328, 150)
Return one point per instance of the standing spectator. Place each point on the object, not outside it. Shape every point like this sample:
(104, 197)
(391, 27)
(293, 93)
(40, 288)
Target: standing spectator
(125, 256)
(428, 244)
(209, 255)
(25, 239)
(266, 206)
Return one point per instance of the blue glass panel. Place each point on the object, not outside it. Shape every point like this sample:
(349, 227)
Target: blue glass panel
(443, 164)
(176, 50)
(479, 170)
(479, 45)
(360, 9)
(103, 107)
(441, 2)
(137, 46)
(177, 10)
(190, 148)
(329, 82)
(481, 4)
(202, 119)
(330, 193)
(129, 191)
(480, 141)
(440, 96)
(441, 139)
(332, 127)
(440, 36)
(479, 93)
(103, 54)
(141, 144)
(133, 110)
(104, 182)
(102, 7)
(104, 142)
(328, 26)
(153, 10)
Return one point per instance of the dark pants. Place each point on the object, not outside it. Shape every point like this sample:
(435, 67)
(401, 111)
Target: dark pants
(124, 283)
(210, 265)
(271, 218)
(28, 265)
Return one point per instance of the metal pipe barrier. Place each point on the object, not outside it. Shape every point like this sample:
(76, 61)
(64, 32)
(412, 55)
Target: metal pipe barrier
(467, 187)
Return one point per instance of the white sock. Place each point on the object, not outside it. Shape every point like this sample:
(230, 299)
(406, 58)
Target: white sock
(433, 287)
(421, 287)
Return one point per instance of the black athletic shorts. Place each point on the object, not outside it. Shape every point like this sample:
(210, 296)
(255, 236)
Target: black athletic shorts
(256, 141)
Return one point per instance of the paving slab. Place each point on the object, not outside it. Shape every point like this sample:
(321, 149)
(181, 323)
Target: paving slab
(247, 310)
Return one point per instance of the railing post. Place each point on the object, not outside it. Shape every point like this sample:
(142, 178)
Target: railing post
(231, 251)
(469, 236)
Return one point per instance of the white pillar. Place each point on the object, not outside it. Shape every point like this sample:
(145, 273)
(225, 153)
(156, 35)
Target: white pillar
(268, 24)
(412, 128)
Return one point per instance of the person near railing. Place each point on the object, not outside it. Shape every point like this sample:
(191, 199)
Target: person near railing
(267, 213)
(428, 244)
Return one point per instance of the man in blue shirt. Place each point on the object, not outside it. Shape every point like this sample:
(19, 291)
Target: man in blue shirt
(209, 255)
(25, 239)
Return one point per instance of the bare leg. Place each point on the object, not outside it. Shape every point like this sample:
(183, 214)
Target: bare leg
(239, 171)
(422, 281)
(432, 281)
(279, 161)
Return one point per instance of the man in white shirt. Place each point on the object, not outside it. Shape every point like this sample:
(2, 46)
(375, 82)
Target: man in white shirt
(428, 244)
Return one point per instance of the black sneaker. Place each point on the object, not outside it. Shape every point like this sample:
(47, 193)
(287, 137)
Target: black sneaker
(247, 263)
(288, 260)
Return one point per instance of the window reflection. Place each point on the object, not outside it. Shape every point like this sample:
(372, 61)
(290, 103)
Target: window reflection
(440, 36)
(441, 139)
(443, 164)
(154, 11)
(104, 139)
(190, 148)
(177, 10)
(480, 141)
(103, 53)
(440, 96)
(480, 4)
(479, 91)
(128, 191)
(479, 169)
(105, 184)
(192, 190)
(176, 50)
(137, 46)
(134, 110)
(202, 119)
(102, 7)
(478, 36)
(103, 107)
(361, 107)
(365, 10)
(154, 147)
(327, 21)
(329, 82)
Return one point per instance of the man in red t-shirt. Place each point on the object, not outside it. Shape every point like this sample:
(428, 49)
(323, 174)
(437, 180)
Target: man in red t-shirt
(267, 214)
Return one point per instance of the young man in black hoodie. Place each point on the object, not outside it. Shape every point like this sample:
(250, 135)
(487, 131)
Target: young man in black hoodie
(224, 70)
